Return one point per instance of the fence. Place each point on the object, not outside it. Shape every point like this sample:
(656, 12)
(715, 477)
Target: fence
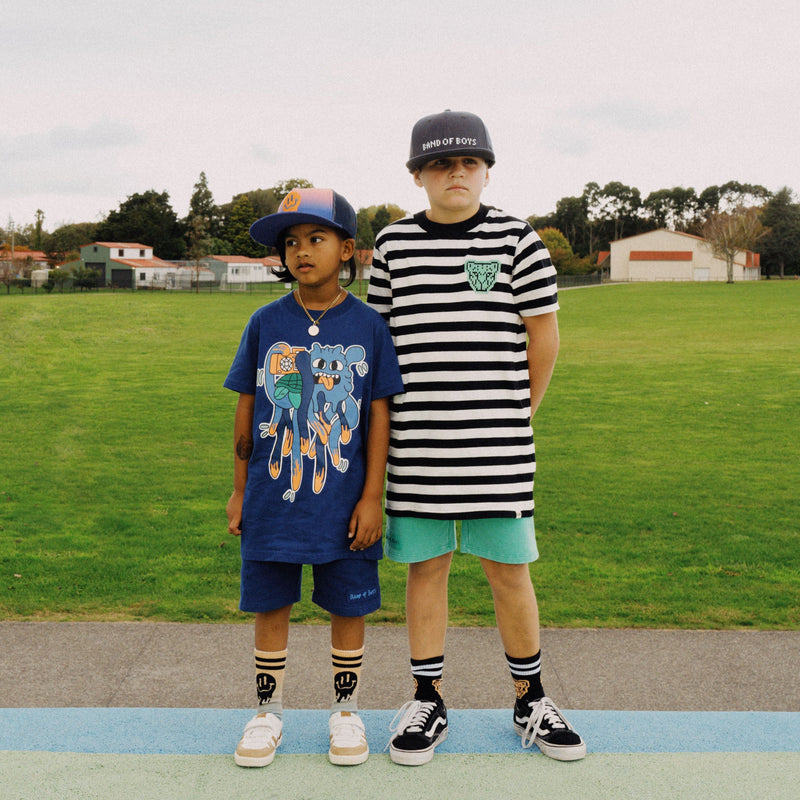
(270, 289)
(569, 281)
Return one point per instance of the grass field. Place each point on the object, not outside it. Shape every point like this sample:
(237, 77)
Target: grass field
(667, 445)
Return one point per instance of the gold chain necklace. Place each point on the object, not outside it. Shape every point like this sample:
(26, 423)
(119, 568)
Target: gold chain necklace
(313, 328)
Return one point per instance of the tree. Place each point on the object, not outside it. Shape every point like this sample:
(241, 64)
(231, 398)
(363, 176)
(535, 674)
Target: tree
(38, 232)
(780, 247)
(380, 220)
(562, 255)
(282, 188)
(619, 205)
(237, 229)
(569, 217)
(365, 238)
(85, 278)
(64, 243)
(203, 208)
(590, 200)
(730, 232)
(378, 217)
(58, 277)
(674, 209)
(734, 195)
(201, 224)
(558, 246)
(148, 219)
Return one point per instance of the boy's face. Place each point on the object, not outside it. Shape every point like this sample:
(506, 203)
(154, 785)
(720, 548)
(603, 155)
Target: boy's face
(453, 185)
(314, 254)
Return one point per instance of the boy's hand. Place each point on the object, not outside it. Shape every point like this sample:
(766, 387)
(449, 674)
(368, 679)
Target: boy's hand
(234, 511)
(366, 524)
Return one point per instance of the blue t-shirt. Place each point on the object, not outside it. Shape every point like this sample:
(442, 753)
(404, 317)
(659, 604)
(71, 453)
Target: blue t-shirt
(310, 421)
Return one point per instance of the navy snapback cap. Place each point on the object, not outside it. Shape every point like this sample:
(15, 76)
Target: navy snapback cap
(306, 205)
(451, 133)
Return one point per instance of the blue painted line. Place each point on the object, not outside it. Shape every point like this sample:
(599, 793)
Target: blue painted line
(190, 731)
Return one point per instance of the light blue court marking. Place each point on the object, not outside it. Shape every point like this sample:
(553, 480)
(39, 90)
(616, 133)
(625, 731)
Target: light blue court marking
(188, 731)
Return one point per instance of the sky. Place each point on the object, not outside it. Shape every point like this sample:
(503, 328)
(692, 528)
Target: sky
(102, 100)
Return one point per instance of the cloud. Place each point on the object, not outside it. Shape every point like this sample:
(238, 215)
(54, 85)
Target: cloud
(100, 135)
(629, 116)
(66, 160)
(567, 140)
(264, 154)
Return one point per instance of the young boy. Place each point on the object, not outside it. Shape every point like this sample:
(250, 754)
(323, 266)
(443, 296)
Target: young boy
(314, 372)
(470, 297)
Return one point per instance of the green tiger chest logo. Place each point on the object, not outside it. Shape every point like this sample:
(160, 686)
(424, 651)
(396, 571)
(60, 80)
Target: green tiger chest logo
(482, 275)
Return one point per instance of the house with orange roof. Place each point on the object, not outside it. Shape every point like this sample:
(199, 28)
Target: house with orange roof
(20, 262)
(664, 255)
(130, 265)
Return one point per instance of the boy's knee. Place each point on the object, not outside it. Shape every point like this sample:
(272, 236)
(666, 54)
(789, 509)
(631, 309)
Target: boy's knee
(431, 568)
(501, 575)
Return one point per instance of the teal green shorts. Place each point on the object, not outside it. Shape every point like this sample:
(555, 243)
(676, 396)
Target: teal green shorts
(507, 540)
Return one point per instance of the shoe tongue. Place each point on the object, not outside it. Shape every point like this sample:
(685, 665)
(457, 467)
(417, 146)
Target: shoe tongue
(345, 713)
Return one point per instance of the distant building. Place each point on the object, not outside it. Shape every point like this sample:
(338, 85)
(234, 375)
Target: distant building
(664, 255)
(240, 271)
(125, 265)
(363, 263)
(20, 262)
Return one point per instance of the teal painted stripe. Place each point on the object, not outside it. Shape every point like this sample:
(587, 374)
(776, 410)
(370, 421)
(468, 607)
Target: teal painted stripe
(216, 731)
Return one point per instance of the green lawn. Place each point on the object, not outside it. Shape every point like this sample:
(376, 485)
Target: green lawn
(667, 445)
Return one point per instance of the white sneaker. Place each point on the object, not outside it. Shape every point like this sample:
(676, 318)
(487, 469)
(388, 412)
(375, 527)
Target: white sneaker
(348, 739)
(261, 737)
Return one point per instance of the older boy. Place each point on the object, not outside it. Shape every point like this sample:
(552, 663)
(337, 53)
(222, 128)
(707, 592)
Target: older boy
(470, 297)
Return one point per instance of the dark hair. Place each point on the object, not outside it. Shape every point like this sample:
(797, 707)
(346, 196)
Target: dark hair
(282, 273)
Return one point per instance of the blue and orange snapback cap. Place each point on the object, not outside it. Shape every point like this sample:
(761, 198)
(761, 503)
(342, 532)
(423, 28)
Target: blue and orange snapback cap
(306, 205)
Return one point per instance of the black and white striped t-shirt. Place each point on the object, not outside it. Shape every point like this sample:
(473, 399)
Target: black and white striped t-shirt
(454, 296)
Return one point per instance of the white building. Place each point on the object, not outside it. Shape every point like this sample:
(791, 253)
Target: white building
(241, 271)
(157, 274)
(664, 255)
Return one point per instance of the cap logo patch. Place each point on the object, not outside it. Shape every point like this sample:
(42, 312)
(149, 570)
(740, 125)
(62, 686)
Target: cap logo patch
(482, 275)
(292, 201)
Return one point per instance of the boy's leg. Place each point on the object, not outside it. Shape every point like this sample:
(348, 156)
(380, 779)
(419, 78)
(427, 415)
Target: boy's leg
(268, 590)
(426, 606)
(271, 640)
(263, 733)
(536, 717)
(515, 606)
(348, 739)
(347, 652)
(423, 721)
(347, 589)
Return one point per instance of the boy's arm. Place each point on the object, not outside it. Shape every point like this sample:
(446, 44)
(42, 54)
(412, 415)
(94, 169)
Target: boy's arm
(243, 449)
(366, 522)
(543, 343)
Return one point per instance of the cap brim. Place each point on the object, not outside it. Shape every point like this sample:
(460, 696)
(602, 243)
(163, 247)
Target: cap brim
(267, 230)
(414, 164)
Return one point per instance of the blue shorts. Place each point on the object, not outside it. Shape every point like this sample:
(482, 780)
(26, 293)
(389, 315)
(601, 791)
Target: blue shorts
(507, 540)
(347, 588)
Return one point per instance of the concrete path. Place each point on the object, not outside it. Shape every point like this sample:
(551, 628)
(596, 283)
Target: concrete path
(142, 710)
(171, 665)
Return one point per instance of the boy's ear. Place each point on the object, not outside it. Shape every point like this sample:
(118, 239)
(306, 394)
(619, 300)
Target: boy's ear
(417, 179)
(348, 249)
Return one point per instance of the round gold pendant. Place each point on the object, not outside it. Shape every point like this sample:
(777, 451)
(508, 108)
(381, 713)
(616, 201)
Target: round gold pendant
(313, 330)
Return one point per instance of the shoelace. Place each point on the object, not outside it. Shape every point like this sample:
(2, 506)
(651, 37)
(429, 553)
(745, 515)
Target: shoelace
(542, 710)
(413, 716)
